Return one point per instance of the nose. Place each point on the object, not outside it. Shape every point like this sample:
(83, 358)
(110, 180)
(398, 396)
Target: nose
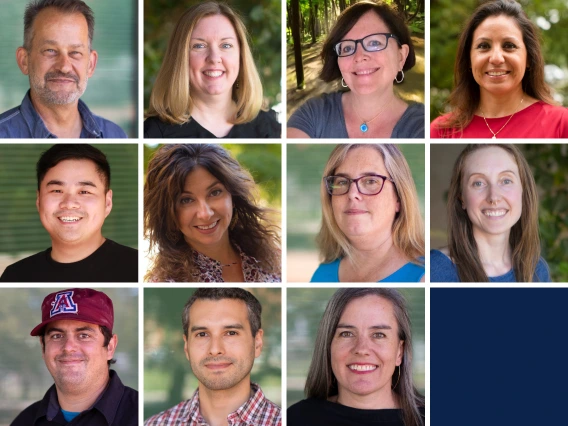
(360, 53)
(494, 194)
(69, 344)
(204, 211)
(216, 346)
(214, 55)
(361, 346)
(496, 56)
(63, 63)
(353, 192)
(69, 202)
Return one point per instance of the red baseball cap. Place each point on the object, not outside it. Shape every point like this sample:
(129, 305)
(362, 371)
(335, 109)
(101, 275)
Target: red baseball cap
(76, 304)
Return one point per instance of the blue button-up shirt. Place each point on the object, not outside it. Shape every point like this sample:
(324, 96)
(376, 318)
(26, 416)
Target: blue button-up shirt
(24, 122)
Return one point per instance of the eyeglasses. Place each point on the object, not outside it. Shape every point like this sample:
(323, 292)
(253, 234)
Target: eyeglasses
(366, 185)
(371, 43)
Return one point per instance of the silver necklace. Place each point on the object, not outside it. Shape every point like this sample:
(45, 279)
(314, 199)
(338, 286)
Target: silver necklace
(491, 130)
(364, 125)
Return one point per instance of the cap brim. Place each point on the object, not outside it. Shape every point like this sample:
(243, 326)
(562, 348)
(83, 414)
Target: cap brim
(38, 330)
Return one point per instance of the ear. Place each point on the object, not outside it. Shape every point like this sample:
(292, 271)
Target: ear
(37, 200)
(22, 60)
(403, 54)
(93, 58)
(400, 352)
(258, 343)
(113, 342)
(185, 348)
(108, 202)
(397, 206)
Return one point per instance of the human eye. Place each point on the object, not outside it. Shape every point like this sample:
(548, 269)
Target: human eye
(346, 48)
(340, 182)
(379, 335)
(509, 45)
(216, 192)
(507, 181)
(346, 334)
(198, 46)
(55, 336)
(84, 336)
(201, 334)
(477, 184)
(375, 42)
(185, 200)
(226, 46)
(232, 333)
(482, 46)
(84, 192)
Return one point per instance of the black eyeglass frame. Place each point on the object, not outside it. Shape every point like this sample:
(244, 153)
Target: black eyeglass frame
(356, 180)
(389, 35)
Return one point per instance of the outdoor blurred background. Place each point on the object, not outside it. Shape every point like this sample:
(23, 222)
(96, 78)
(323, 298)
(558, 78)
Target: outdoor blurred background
(307, 24)
(447, 18)
(549, 164)
(21, 232)
(112, 92)
(24, 378)
(305, 310)
(263, 162)
(304, 176)
(168, 379)
(262, 19)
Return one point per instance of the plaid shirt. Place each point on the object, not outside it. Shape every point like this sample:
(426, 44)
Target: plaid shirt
(257, 411)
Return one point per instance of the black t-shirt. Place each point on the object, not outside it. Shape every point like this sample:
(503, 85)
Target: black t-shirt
(117, 406)
(319, 412)
(264, 125)
(111, 262)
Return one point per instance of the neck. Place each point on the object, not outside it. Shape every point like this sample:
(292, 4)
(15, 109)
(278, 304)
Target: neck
(64, 121)
(494, 253)
(214, 108)
(222, 251)
(216, 405)
(494, 106)
(77, 400)
(368, 106)
(64, 252)
(382, 399)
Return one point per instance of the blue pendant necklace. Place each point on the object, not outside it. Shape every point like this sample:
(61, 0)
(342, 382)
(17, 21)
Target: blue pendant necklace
(364, 127)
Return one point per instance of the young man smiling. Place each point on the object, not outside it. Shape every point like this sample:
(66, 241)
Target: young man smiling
(222, 337)
(78, 345)
(73, 200)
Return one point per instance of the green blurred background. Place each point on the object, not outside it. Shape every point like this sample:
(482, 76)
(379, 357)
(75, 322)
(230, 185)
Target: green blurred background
(304, 179)
(113, 89)
(305, 310)
(167, 374)
(21, 232)
(549, 164)
(262, 19)
(24, 379)
(447, 18)
(264, 163)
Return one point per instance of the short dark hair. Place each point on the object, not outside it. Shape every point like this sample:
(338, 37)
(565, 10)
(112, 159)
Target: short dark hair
(61, 152)
(107, 334)
(253, 305)
(348, 18)
(63, 6)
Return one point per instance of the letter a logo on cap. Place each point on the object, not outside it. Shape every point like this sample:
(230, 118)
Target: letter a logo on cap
(63, 304)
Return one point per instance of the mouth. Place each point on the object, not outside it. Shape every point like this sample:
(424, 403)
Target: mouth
(497, 73)
(362, 368)
(355, 211)
(69, 219)
(218, 366)
(207, 227)
(366, 71)
(494, 212)
(213, 73)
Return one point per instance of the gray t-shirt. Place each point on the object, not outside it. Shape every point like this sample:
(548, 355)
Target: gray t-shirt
(322, 117)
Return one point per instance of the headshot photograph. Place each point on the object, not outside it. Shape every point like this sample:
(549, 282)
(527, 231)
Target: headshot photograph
(355, 71)
(212, 213)
(69, 354)
(355, 356)
(498, 213)
(71, 213)
(498, 69)
(355, 213)
(212, 69)
(51, 49)
(212, 356)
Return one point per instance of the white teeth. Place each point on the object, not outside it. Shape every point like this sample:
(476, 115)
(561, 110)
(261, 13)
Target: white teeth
(494, 212)
(69, 219)
(365, 72)
(356, 367)
(208, 227)
(213, 73)
(496, 74)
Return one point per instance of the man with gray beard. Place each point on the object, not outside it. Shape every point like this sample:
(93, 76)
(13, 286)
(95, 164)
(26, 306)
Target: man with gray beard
(57, 56)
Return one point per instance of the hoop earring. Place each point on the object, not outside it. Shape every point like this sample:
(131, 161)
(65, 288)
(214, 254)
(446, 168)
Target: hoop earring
(401, 79)
(343, 82)
(398, 379)
(234, 220)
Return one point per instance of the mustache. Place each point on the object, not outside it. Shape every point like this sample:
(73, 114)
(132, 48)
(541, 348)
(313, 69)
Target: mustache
(216, 360)
(79, 213)
(70, 358)
(59, 74)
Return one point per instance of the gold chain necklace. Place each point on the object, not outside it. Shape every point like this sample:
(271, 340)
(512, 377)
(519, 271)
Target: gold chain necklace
(364, 127)
(496, 133)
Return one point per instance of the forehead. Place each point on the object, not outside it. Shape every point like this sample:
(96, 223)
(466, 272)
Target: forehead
(369, 23)
(362, 160)
(72, 171)
(218, 313)
(215, 26)
(369, 310)
(502, 25)
(61, 27)
(70, 325)
(491, 159)
(199, 178)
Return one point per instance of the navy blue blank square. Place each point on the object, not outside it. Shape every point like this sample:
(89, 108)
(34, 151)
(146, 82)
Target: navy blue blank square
(498, 356)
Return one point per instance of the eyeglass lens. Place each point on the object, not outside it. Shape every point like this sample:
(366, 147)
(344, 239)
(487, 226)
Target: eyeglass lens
(367, 185)
(371, 43)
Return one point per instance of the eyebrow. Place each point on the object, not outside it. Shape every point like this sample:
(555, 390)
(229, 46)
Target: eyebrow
(373, 327)
(75, 45)
(224, 38)
(362, 174)
(207, 189)
(225, 327)
(59, 330)
(80, 183)
(483, 174)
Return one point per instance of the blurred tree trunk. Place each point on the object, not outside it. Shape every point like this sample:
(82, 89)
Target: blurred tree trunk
(296, 37)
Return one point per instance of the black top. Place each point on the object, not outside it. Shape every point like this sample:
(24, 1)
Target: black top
(316, 412)
(264, 125)
(117, 406)
(111, 262)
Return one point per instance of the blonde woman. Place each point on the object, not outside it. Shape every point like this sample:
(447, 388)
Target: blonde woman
(208, 85)
(372, 230)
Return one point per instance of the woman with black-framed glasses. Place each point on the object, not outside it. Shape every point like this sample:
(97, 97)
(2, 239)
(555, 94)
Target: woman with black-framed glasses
(368, 50)
(372, 230)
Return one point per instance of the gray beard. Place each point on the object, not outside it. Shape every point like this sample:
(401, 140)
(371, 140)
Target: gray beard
(51, 97)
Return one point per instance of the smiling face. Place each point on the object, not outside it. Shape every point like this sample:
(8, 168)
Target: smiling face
(73, 205)
(365, 216)
(59, 62)
(204, 211)
(492, 191)
(498, 55)
(365, 351)
(75, 356)
(214, 57)
(366, 72)
(219, 345)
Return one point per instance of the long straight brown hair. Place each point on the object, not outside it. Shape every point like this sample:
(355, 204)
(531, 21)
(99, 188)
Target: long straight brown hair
(524, 238)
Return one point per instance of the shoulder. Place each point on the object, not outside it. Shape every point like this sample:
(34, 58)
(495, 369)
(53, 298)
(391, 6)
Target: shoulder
(110, 129)
(542, 271)
(264, 125)
(435, 126)
(442, 269)
(115, 248)
(316, 113)
(10, 122)
(176, 413)
(27, 416)
(410, 272)
(154, 127)
(327, 272)
(411, 123)
(297, 413)
(24, 270)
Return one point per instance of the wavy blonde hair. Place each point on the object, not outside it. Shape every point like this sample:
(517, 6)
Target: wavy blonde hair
(408, 226)
(171, 100)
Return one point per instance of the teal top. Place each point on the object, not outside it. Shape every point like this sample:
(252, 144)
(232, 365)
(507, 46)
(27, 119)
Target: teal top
(409, 273)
